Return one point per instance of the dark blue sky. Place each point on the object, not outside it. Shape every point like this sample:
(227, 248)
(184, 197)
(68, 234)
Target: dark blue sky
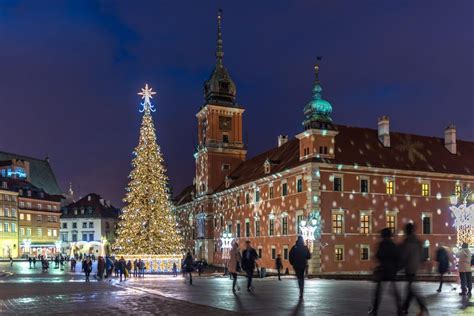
(70, 71)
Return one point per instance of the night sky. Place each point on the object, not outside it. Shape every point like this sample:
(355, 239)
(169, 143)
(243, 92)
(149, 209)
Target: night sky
(70, 72)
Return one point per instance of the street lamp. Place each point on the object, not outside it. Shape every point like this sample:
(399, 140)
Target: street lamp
(226, 241)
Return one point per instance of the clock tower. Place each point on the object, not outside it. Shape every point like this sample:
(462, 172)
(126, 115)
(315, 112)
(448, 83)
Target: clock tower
(220, 145)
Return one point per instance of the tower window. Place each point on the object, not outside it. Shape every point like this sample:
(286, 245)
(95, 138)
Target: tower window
(225, 138)
(224, 86)
(225, 166)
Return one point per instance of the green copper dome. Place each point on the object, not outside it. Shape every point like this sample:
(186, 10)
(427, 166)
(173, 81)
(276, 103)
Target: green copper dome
(317, 110)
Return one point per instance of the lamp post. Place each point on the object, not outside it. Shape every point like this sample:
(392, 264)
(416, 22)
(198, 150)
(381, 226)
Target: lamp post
(463, 217)
(226, 241)
(308, 230)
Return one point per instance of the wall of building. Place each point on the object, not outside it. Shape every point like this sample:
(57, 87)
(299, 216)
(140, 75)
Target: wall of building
(8, 224)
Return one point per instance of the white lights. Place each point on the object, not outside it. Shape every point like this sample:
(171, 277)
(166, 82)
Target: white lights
(463, 217)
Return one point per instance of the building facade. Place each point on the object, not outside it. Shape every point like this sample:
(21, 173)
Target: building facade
(347, 182)
(8, 222)
(87, 225)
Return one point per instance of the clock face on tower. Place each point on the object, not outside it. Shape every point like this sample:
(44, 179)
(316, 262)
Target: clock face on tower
(225, 123)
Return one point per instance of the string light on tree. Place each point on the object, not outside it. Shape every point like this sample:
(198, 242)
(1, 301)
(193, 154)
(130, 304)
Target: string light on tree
(147, 226)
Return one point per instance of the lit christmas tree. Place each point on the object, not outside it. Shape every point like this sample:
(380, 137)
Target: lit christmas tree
(147, 226)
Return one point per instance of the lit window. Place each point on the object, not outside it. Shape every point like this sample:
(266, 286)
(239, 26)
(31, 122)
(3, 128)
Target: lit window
(271, 192)
(28, 217)
(392, 222)
(22, 231)
(50, 232)
(425, 189)
(6, 227)
(28, 232)
(13, 212)
(337, 184)
(271, 227)
(337, 223)
(364, 252)
(364, 223)
(284, 225)
(55, 232)
(339, 253)
(389, 186)
(458, 190)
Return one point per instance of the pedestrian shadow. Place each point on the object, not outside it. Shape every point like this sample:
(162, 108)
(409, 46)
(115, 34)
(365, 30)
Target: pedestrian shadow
(238, 303)
(297, 308)
(465, 302)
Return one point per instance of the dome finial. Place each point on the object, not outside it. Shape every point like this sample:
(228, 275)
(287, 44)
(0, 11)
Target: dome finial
(316, 69)
(220, 49)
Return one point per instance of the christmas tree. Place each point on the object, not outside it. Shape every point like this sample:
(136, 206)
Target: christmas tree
(147, 225)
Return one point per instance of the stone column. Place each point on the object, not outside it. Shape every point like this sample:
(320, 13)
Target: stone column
(314, 206)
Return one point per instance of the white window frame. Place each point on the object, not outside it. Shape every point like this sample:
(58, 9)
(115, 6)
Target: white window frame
(337, 175)
(343, 253)
(430, 215)
(368, 184)
(273, 251)
(394, 214)
(368, 253)
(296, 184)
(365, 213)
(338, 212)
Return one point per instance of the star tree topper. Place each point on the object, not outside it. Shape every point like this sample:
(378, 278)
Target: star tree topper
(147, 94)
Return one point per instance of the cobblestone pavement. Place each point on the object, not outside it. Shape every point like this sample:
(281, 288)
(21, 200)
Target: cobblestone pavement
(62, 292)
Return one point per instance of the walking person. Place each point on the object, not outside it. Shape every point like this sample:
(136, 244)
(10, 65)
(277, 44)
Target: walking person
(11, 262)
(411, 255)
(443, 265)
(299, 256)
(100, 267)
(249, 258)
(465, 272)
(388, 256)
(234, 264)
(87, 267)
(188, 265)
(34, 262)
(279, 266)
(135, 268)
(175, 269)
(142, 268)
(122, 266)
(30, 261)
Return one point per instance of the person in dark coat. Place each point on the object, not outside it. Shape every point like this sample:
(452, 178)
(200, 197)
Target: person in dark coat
(87, 267)
(278, 266)
(388, 256)
(188, 265)
(122, 265)
(443, 265)
(249, 258)
(100, 267)
(299, 256)
(411, 258)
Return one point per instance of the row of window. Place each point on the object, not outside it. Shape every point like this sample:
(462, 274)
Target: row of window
(339, 253)
(89, 236)
(38, 206)
(337, 224)
(6, 212)
(81, 211)
(365, 220)
(8, 227)
(8, 198)
(39, 217)
(389, 186)
(50, 232)
(271, 192)
(84, 225)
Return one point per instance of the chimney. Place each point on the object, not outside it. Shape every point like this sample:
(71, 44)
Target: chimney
(384, 130)
(282, 139)
(450, 138)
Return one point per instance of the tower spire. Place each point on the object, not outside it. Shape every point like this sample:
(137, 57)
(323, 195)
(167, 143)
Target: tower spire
(316, 70)
(220, 49)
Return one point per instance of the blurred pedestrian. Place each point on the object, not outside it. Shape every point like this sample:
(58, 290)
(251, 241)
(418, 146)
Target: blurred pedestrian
(188, 264)
(388, 256)
(135, 268)
(278, 266)
(465, 272)
(443, 265)
(122, 266)
(142, 268)
(87, 267)
(30, 261)
(234, 264)
(100, 267)
(249, 258)
(299, 256)
(34, 262)
(175, 269)
(129, 268)
(412, 257)
(11, 262)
